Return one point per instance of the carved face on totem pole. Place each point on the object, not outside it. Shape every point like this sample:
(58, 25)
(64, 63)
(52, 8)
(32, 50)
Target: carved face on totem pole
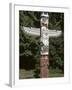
(44, 33)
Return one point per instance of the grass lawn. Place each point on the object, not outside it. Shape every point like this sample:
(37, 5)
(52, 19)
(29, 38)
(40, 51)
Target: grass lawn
(28, 74)
(55, 73)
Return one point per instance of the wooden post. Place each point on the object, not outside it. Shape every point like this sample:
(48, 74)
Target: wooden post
(44, 63)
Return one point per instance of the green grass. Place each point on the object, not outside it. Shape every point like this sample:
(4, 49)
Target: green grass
(28, 74)
(55, 73)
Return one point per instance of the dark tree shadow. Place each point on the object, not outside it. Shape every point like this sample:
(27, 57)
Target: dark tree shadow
(27, 63)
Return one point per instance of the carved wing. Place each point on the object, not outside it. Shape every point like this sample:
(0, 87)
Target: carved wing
(32, 31)
(55, 33)
(36, 31)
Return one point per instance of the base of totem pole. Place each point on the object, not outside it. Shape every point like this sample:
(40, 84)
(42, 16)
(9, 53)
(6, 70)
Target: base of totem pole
(44, 63)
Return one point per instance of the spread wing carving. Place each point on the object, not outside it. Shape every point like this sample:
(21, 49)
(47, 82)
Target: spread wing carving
(36, 31)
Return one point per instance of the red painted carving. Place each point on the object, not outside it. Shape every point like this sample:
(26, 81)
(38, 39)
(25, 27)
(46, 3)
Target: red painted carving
(44, 62)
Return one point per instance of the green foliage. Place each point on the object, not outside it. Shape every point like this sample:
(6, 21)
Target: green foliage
(29, 46)
(56, 53)
(29, 18)
(56, 21)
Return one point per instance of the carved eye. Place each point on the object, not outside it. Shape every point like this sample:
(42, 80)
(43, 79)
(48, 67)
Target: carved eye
(44, 19)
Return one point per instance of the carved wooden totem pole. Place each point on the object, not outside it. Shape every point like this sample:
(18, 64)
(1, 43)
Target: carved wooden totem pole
(44, 60)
